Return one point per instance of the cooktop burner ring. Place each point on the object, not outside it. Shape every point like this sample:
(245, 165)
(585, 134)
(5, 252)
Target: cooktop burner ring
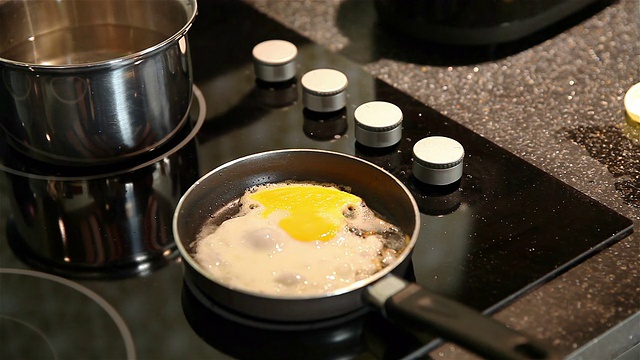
(47, 284)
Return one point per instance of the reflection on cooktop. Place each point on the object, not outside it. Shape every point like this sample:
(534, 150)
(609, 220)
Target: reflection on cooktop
(351, 336)
(504, 229)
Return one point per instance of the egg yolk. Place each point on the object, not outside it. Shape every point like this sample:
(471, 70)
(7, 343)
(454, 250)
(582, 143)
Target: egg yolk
(312, 212)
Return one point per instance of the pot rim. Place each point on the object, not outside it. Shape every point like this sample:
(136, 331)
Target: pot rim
(356, 286)
(115, 62)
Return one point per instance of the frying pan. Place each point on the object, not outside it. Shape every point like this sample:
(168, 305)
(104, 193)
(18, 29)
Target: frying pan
(214, 197)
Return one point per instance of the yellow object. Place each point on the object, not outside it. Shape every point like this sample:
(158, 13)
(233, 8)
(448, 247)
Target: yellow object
(632, 105)
(313, 212)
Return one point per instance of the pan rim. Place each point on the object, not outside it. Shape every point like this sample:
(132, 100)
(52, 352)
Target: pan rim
(356, 286)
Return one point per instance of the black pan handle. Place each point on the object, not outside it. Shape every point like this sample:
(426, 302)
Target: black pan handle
(417, 308)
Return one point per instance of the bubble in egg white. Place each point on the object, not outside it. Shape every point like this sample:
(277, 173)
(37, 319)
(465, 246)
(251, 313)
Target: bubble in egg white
(265, 239)
(289, 279)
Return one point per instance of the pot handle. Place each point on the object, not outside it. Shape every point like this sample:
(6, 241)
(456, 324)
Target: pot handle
(414, 306)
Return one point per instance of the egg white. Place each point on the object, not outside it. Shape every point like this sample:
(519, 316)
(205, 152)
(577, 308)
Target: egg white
(253, 253)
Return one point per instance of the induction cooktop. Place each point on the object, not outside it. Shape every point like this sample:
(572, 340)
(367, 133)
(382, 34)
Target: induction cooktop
(88, 267)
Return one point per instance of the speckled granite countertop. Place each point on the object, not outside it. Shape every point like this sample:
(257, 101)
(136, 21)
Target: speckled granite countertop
(558, 105)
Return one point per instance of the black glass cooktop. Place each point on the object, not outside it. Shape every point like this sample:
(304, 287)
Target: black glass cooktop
(88, 268)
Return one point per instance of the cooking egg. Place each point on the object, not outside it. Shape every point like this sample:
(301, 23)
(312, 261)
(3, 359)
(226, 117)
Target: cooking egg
(298, 239)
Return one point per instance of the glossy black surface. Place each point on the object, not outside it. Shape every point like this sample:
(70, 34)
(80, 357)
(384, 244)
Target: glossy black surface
(480, 22)
(505, 228)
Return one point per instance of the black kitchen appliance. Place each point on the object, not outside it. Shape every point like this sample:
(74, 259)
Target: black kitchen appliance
(478, 22)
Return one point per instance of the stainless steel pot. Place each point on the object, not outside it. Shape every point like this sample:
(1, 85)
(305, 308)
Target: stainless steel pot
(103, 222)
(86, 82)
(215, 193)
